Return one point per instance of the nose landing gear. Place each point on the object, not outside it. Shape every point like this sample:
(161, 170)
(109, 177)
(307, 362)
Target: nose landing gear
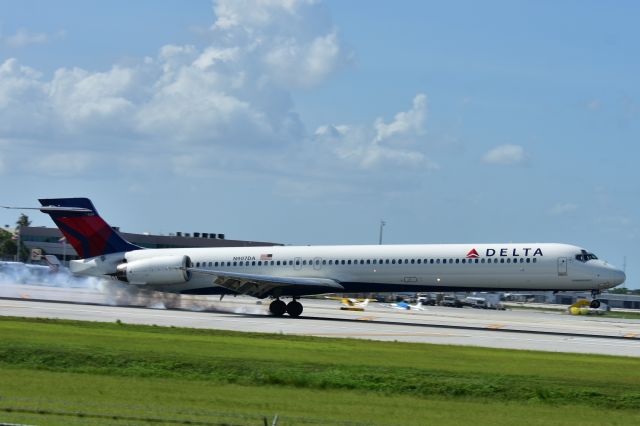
(595, 303)
(278, 308)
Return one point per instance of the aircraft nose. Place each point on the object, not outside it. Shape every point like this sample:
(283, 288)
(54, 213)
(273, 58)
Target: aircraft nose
(618, 276)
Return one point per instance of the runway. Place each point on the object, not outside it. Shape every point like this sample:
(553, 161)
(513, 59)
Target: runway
(528, 330)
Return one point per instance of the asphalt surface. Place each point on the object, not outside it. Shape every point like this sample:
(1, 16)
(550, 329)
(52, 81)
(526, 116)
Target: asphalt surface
(529, 330)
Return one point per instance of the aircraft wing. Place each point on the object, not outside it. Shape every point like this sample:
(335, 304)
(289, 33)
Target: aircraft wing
(261, 286)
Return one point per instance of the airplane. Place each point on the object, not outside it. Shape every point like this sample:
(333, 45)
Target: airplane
(406, 306)
(350, 304)
(294, 271)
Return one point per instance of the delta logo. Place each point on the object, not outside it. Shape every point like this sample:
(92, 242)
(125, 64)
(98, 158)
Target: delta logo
(473, 254)
(504, 252)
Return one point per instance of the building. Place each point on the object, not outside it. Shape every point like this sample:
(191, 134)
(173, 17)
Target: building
(50, 241)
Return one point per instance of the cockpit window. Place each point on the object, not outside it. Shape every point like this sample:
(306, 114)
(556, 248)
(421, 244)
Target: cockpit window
(585, 256)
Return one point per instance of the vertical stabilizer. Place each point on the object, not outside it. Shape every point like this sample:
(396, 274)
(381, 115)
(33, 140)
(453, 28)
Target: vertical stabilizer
(83, 228)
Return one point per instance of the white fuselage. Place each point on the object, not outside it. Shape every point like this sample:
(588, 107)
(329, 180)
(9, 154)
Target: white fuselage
(370, 268)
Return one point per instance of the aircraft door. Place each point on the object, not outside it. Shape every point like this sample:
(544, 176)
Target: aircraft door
(562, 266)
(297, 263)
(317, 263)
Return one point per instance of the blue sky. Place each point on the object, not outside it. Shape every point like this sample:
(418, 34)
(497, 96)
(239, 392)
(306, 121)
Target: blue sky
(308, 122)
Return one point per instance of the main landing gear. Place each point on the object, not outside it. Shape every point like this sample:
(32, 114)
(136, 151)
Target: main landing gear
(278, 308)
(595, 303)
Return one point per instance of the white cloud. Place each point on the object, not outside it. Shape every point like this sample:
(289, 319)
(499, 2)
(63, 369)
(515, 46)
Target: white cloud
(233, 93)
(293, 42)
(400, 142)
(562, 208)
(23, 38)
(200, 111)
(506, 155)
(63, 164)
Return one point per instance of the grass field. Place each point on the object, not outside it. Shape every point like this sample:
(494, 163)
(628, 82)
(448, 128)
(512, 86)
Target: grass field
(65, 372)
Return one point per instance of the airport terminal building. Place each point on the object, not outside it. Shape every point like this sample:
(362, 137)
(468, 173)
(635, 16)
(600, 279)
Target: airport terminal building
(51, 241)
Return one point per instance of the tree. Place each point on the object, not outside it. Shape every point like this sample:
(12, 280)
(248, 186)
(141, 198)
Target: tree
(8, 248)
(23, 221)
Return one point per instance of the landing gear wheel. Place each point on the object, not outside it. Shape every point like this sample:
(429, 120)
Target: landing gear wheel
(277, 308)
(595, 303)
(294, 308)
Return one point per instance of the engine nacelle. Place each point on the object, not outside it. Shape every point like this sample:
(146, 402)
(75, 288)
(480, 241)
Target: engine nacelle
(155, 271)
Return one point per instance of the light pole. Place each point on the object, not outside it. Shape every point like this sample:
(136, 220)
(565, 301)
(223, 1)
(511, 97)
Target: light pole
(382, 224)
(18, 243)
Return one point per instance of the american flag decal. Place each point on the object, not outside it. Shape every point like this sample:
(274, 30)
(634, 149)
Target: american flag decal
(266, 256)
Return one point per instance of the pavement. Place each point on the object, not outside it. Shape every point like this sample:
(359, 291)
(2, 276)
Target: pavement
(525, 330)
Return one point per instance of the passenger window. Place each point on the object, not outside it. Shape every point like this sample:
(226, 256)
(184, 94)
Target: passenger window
(430, 261)
(298, 262)
(324, 262)
(272, 263)
(482, 261)
(304, 262)
(457, 260)
(521, 260)
(259, 262)
(419, 261)
(368, 261)
(413, 261)
(535, 259)
(374, 261)
(343, 261)
(528, 260)
(501, 260)
(278, 263)
(393, 261)
(216, 264)
(349, 262)
(362, 261)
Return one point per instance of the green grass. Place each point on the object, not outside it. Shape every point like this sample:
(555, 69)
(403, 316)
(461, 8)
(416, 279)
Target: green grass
(60, 372)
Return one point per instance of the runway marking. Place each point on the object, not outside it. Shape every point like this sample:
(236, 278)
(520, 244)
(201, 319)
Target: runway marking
(351, 334)
(370, 318)
(496, 326)
(630, 335)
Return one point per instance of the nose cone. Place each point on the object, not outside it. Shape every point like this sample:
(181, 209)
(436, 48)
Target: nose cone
(618, 277)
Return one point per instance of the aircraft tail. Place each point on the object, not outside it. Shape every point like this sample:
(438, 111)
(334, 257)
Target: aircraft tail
(83, 228)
